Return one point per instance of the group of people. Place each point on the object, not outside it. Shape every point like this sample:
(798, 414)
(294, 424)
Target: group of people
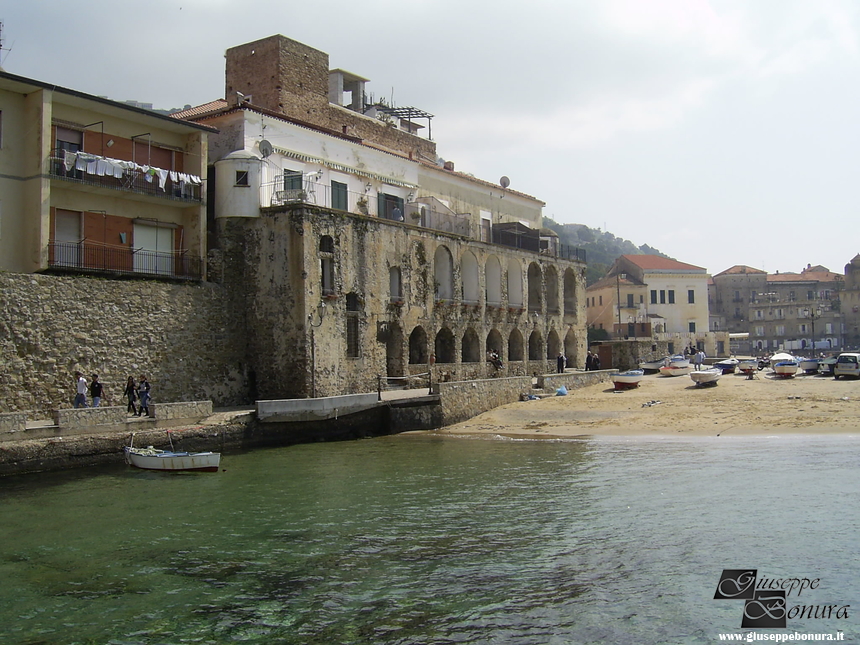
(592, 362)
(494, 359)
(134, 391)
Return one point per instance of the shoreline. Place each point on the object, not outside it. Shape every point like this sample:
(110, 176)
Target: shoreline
(674, 407)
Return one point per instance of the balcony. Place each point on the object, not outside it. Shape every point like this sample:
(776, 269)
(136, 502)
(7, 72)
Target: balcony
(114, 174)
(101, 259)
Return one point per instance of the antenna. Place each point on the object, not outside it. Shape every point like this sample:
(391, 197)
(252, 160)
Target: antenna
(265, 148)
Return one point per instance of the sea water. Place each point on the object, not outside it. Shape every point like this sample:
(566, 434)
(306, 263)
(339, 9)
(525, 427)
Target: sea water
(429, 539)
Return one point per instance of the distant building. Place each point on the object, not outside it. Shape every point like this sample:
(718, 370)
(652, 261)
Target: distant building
(780, 311)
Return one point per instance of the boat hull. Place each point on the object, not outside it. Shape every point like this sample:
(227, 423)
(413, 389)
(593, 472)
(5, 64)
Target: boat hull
(810, 365)
(672, 370)
(627, 380)
(706, 377)
(748, 366)
(173, 461)
(728, 366)
(786, 369)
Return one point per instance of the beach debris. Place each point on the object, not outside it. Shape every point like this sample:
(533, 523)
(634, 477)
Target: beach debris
(650, 403)
(562, 391)
(794, 397)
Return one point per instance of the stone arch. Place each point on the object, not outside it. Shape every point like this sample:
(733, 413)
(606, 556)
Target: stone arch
(515, 346)
(569, 292)
(418, 347)
(553, 344)
(571, 348)
(471, 347)
(493, 276)
(443, 274)
(535, 282)
(394, 350)
(494, 342)
(552, 291)
(469, 277)
(445, 346)
(515, 283)
(535, 346)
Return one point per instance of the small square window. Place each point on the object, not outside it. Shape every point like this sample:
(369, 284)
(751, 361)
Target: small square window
(242, 178)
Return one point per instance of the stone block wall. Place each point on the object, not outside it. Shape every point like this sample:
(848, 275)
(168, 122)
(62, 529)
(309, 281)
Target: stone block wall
(187, 339)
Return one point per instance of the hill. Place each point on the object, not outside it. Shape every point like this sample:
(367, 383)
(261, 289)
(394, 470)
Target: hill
(601, 247)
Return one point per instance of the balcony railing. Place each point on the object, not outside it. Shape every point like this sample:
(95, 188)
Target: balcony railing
(93, 257)
(94, 170)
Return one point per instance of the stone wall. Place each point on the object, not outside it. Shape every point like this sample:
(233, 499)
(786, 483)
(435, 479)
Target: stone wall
(187, 339)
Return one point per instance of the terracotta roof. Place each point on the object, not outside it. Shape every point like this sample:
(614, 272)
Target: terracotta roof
(806, 276)
(609, 281)
(206, 108)
(741, 268)
(657, 263)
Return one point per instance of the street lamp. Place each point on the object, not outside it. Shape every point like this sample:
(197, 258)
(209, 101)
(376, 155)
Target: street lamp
(812, 314)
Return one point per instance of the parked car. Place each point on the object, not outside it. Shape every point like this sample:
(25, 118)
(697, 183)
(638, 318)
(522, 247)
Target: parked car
(847, 364)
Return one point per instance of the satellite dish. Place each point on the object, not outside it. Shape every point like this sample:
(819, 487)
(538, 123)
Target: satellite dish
(504, 182)
(265, 148)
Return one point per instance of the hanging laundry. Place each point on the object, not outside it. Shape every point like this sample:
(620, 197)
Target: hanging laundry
(69, 160)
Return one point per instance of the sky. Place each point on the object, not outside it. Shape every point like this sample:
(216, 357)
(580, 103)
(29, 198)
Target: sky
(719, 133)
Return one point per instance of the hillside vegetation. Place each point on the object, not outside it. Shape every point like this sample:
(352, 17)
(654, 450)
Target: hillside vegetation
(601, 247)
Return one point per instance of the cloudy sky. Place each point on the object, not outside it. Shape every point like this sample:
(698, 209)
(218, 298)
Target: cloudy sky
(720, 133)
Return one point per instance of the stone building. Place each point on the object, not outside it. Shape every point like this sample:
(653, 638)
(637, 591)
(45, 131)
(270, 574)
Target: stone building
(355, 255)
(91, 185)
(781, 311)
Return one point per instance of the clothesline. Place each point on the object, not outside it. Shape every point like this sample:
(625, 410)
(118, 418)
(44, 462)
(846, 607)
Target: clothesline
(106, 167)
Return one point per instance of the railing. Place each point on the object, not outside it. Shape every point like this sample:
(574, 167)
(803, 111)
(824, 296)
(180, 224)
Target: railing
(133, 180)
(93, 257)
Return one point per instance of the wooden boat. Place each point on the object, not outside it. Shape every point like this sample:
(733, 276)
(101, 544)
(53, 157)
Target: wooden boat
(675, 370)
(786, 368)
(627, 380)
(706, 377)
(747, 365)
(727, 366)
(809, 365)
(151, 458)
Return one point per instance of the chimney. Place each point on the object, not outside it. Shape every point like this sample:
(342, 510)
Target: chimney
(449, 165)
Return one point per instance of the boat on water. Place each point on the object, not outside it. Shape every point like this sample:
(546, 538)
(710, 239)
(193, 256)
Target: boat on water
(706, 377)
(785, 368)
(676, 370)
(151, 458)
(809, 365)
(627, 380)
(727, 366)
(747, 365)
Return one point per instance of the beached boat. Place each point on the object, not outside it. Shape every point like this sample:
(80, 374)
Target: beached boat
(627, 380)
(652, 366)
(727, 366)
(151, 458)
(781, 356)
(809, 365)
(747, 365)
(786, 368)
(706, 377)
(676, 370)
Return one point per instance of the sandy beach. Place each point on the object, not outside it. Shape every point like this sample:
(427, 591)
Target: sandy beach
(674, 406)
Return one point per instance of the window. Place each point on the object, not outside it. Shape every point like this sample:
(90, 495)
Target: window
(326, 250)
(671, 296)
(71, 140)
(339, 199)
(810, 295)
(803, 329)
(292, 180)
(601, 301)
(759, 314)
(394, 285)
(353, 310)
(389, 207)
(641, 299)
(691, 296)
(242, 178)
(791, 297)
(691, 327)
(759, 330)
(662, 297)
(630, 300)
(780, 330)
(653, 296)
(737, 296)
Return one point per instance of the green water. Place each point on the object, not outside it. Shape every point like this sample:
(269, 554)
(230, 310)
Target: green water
(421, 539)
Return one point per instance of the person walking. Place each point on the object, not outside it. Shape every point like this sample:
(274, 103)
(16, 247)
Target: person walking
(143, 389)
(131, 394)
(96, 390)
(81, 391)
(589, 362)
(699, 359)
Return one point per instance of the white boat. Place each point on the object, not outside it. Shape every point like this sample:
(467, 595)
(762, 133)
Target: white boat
(781, 356)
(677, 360)
(627, 380)
(675, 370)
(706, 377)
(785, 368)
(728, 366)
(653, 366)
(809, 365)
(151, 458)
(747, 365)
